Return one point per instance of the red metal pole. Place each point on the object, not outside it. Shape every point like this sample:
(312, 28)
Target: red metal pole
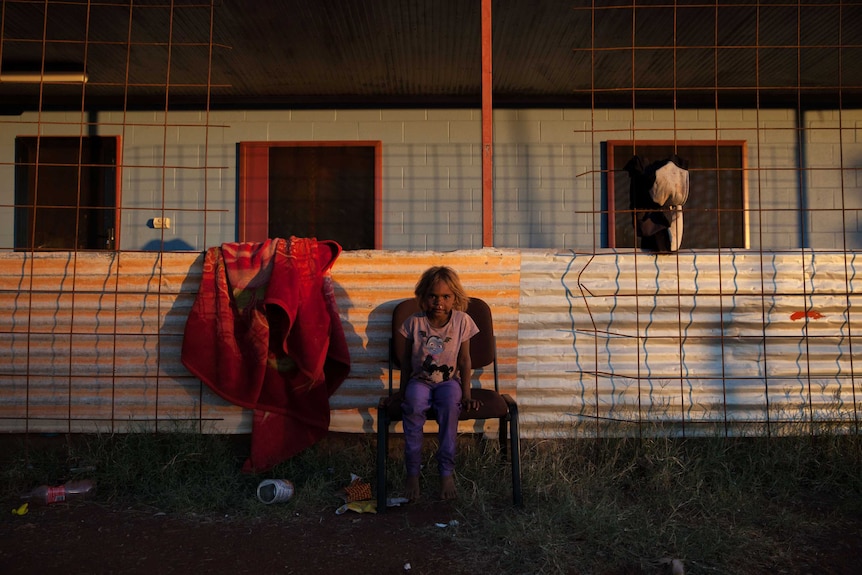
(487, 131)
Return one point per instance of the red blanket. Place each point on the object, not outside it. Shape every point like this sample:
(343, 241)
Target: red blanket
(264, 333)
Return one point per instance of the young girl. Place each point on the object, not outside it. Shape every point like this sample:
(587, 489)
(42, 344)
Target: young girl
(436, 372)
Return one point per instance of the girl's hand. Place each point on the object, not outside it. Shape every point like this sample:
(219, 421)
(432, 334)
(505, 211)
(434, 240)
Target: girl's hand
(470, 404)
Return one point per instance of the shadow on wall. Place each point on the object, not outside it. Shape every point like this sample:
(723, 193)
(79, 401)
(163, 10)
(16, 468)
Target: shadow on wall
(175, 245)
(364, 371)
(185, 395)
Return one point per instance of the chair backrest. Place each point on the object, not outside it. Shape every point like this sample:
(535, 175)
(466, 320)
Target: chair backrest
(483, 350)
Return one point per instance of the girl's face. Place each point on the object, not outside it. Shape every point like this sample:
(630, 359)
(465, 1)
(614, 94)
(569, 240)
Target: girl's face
(439, 301)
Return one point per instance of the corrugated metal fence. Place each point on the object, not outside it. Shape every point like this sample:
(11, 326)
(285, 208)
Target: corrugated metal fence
(607, 343)
(92, 341)
(691, 343)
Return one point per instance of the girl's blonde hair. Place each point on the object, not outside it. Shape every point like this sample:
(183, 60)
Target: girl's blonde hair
(447, 275)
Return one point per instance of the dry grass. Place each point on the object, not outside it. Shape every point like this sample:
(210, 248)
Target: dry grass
(591, 505)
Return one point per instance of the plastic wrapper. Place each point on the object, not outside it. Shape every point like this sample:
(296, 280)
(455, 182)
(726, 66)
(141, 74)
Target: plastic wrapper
(367, 506)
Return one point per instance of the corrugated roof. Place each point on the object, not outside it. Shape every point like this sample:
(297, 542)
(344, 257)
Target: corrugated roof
(427, 53)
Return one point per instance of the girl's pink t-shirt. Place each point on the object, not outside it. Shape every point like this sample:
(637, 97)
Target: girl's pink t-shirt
(435, 350)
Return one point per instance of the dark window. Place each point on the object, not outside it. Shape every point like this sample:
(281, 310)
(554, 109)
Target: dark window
(323, 190)
(714, 215)
(66, 191)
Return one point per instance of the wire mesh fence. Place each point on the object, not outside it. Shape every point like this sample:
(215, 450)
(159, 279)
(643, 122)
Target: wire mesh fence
(119, 164)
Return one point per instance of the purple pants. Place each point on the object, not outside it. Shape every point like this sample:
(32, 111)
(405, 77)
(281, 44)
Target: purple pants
(444, 397)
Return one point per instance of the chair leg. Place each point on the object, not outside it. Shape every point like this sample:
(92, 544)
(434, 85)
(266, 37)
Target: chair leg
(502, 429)
(382, 453)
(516, 457)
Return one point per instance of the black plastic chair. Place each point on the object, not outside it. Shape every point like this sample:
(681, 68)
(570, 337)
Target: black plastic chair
(483, 352)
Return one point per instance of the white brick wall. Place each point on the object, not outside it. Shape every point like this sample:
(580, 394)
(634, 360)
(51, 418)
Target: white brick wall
(547, 165)
(833, 157)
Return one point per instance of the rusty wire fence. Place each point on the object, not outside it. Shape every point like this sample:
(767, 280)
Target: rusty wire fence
(749, 327)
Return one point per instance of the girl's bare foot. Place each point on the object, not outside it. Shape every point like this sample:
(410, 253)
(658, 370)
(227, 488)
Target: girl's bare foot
(411, 487)
(447, 487)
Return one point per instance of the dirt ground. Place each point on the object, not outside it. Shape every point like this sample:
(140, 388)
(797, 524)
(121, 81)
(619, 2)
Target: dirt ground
(86, 537)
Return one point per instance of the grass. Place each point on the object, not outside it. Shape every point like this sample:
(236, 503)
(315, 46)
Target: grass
(722, 505)
(591, 506)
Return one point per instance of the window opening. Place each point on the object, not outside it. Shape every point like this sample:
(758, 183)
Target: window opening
(66, 192)
(326, 190)
(716, 209)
